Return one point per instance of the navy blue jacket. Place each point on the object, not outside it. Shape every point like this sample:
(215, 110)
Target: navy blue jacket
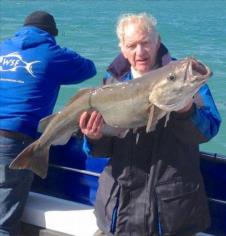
(32, 67)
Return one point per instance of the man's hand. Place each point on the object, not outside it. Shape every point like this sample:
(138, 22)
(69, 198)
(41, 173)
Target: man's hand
(91, 124)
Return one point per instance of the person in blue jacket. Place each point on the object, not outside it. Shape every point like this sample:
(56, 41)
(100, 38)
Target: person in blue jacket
(33, 67)
(152, 186)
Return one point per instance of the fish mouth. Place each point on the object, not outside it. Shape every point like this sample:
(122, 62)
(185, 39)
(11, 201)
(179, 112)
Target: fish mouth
(199, 70)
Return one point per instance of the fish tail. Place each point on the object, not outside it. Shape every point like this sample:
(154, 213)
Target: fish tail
(34, 158)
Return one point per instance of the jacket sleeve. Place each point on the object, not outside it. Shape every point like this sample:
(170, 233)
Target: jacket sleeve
(98, 148)
(71, 68)
(200, 123)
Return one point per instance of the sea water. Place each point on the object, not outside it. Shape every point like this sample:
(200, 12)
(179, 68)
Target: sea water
(188, 28)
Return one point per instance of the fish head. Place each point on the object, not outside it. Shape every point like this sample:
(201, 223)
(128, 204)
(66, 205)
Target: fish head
(178, 82)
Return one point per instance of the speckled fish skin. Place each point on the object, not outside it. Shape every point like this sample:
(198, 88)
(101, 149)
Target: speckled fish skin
(127, 105)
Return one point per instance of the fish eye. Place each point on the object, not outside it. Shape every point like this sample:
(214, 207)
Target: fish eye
(172, 77)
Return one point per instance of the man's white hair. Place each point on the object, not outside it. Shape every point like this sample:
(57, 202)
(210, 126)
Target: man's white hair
(146, 23)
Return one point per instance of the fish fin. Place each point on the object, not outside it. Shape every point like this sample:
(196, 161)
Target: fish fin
(123, 134)
(155, 115)
(167, 119)
(150, 119)
(32, 158)
(108, 130)
(79, 94)
(76, 133)
(107, 86)
(135, 130)
(198, 100)
(137, 137)
(43, 123)
(62, 139)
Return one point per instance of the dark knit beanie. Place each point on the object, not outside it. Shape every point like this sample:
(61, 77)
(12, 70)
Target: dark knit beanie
(42, 20)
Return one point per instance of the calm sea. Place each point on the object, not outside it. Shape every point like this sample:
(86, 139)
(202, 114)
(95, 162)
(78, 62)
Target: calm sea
(188, 28)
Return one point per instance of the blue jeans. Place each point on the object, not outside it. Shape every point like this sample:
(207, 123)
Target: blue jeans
(14, 187)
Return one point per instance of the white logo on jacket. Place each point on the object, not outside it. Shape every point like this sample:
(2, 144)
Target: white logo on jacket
(13, 61)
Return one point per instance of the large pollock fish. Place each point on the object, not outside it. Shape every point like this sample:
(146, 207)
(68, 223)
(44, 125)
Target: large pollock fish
(127, 105)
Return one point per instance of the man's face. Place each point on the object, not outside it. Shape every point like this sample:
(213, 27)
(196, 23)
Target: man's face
(139, 48)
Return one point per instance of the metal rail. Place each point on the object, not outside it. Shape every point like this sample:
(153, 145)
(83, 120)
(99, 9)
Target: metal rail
(204, 155)
(213, 157)
(87, 172)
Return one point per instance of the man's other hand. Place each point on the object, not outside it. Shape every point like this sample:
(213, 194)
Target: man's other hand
(91, 124)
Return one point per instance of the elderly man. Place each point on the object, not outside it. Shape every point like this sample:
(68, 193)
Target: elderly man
(153, 186)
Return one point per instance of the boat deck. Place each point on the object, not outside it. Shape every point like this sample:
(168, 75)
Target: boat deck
(55, 216)
(33, 230)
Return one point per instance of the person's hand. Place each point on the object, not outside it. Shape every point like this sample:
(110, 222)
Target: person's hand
(91, 124)
(186, 108)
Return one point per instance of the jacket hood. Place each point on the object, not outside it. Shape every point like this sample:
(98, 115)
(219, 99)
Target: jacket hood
(30, 36)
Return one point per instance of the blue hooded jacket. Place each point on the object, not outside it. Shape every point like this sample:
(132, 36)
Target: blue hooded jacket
(32, 68)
